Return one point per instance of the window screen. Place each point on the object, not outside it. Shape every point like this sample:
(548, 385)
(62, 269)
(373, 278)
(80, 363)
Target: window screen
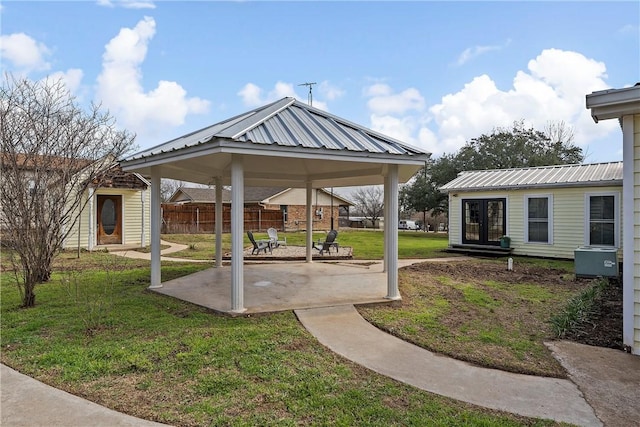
(538, 220)
(602, 220)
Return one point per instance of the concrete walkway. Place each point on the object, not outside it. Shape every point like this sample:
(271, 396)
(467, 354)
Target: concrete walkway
(343, 330)
(30, 403)
(173, 247)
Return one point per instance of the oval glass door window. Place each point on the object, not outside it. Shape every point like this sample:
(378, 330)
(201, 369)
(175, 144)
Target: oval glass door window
(108, 216)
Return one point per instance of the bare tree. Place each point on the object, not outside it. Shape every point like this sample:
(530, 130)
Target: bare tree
(369, 202)
(168, 187)
(52, 152)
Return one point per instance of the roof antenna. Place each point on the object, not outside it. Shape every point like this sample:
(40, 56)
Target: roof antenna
(310, 98)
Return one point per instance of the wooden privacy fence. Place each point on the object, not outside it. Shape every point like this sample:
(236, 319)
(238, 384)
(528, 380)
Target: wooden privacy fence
(196, 218)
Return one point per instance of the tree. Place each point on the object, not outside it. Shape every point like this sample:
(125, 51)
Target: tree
(422, 194)
(503, 148)
(52, 152)
(369, 202)
(168, 187)
(520, 147)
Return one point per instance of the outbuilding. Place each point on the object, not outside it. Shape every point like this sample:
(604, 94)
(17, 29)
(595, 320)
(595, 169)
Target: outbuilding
(546, 211)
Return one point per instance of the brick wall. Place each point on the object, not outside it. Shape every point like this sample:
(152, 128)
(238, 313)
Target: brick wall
(297, 217)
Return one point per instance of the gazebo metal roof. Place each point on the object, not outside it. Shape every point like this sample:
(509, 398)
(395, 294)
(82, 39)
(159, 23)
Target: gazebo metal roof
(298, 141)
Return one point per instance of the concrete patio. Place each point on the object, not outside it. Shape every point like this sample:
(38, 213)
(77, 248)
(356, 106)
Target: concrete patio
(284, 286)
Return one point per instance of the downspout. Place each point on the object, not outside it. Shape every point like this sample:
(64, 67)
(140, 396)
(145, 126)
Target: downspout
(263, 205)
(80, 227)
(92, 219)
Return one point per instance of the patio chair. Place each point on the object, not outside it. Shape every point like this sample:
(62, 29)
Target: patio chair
(273, 238)
(330, 241)
(260, 245)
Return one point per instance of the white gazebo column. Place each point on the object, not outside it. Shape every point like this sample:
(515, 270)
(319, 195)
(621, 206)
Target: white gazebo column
(155, 228)
(237, 234)
(391, 233)
(309, 222)
(387, 225)
(219, 221)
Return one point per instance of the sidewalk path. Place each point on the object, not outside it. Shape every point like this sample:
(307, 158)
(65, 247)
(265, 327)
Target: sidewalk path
(30, 403)
(343, 330)
(173, 247)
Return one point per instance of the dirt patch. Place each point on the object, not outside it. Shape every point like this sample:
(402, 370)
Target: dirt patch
(604, 327)
(495, 271)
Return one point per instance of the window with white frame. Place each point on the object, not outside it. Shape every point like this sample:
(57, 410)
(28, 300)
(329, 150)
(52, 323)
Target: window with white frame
(601, 219)
(539, 218)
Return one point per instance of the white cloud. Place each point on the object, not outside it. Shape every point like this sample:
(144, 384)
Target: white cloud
(128, 4)
(400, 128)
(24, 53)
(383, 101)
(553, 88)
(253, 95)
(120, 88)
(476, 51)
(628, 29)
(377, 89)
(329, 91)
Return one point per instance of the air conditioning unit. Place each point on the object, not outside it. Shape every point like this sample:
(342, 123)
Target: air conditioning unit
(593, 262)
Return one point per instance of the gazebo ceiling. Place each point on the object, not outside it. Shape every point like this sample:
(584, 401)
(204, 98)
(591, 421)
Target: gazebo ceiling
(286, 143)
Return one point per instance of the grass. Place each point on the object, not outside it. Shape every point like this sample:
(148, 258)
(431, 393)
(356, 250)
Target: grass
(366, 244)
(165, 360)
(478, 312)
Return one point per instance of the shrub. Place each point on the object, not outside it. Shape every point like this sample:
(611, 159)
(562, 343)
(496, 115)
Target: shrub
(578, 309)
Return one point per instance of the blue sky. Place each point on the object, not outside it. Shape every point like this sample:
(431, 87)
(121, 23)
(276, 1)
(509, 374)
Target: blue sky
(433, 74)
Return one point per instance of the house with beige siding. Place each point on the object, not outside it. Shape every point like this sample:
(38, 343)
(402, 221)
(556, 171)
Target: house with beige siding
(624, 106)
(546, 211)
(290, 201)
(114, 212)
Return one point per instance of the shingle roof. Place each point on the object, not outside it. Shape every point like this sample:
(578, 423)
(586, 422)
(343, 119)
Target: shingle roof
(202, 195)
(578, 175)
(251, 194)
(290, 123)
(258, 194)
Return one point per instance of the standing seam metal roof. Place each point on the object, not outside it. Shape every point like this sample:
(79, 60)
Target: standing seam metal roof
(290, 123)
(544, 176)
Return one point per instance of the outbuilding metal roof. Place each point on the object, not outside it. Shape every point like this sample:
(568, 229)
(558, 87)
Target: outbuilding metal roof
(289, 123)
(579, 175)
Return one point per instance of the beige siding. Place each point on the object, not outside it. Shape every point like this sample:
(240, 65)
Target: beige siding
(298, 196)
(568, 219)
(455, 220)
(636, 237)
(569, 230)
(72, 239)
(132, 220)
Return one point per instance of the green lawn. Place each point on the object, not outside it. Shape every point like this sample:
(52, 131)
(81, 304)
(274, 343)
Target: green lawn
(366, 244)
(98, 332)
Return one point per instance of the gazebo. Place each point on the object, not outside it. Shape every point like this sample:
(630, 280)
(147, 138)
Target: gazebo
(286, 143)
